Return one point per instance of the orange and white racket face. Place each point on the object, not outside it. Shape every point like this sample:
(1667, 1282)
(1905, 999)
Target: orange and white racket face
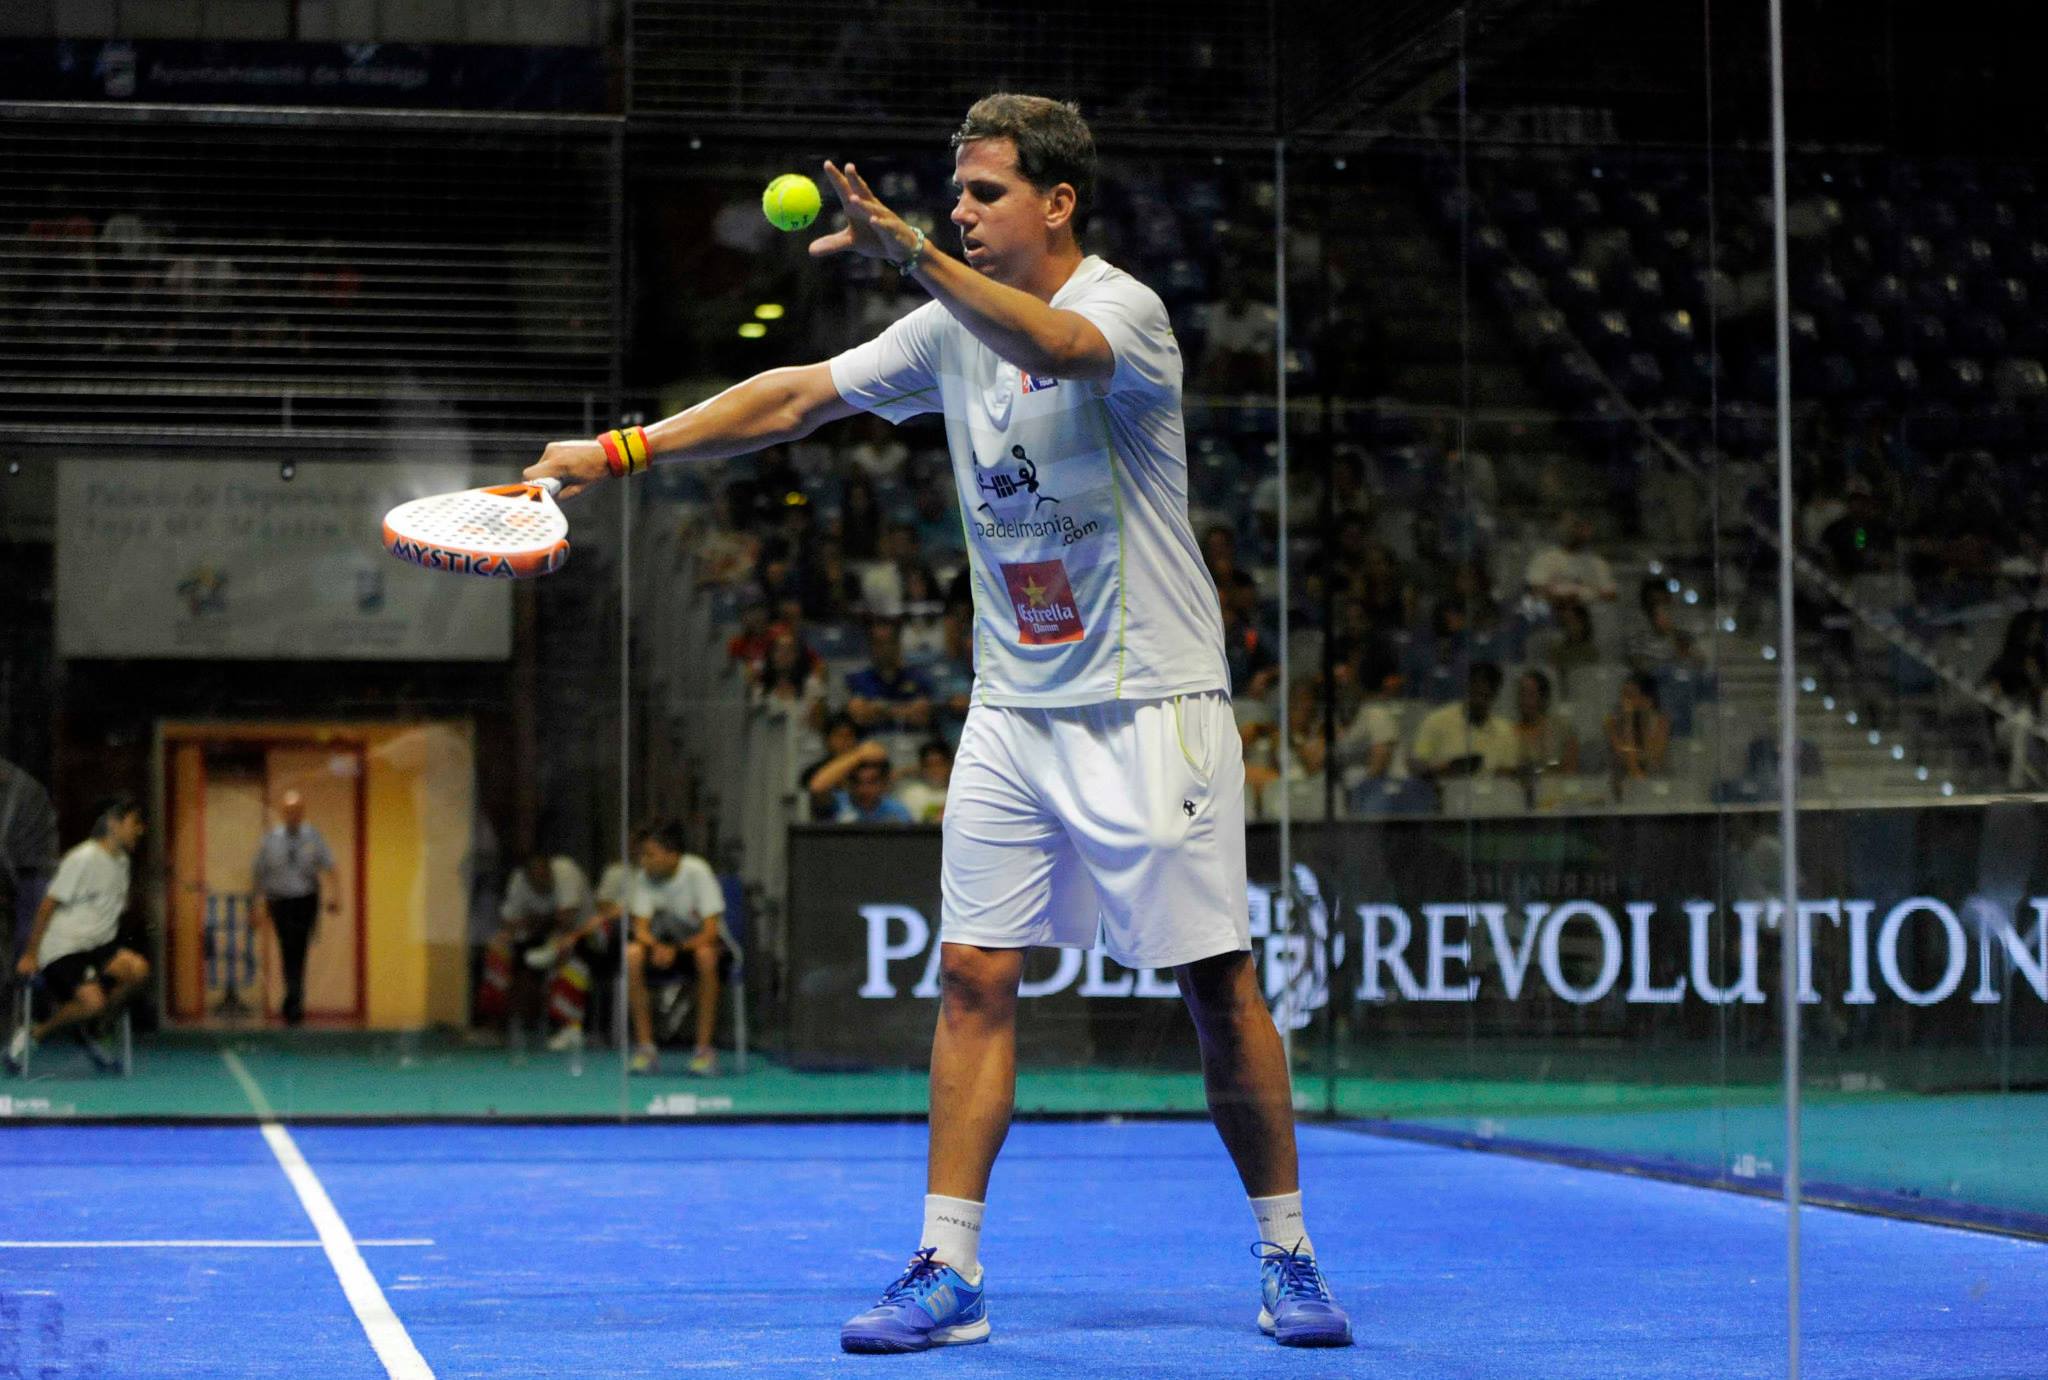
(508, 532)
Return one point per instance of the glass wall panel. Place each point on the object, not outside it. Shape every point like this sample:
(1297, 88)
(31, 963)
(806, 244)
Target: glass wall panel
(1916, 243)
(226, 368)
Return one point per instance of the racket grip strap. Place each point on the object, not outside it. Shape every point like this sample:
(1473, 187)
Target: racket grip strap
(626, 452)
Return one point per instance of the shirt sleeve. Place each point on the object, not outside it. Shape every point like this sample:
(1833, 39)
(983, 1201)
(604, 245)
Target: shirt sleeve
(259, 871)
(572, 888)
(895, 375)
(323, 856)
(705, 893)
(641, 900)
(1134, 321)
(64, 886)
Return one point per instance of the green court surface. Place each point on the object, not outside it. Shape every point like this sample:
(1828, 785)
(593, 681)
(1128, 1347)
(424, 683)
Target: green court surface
(1671, 1106)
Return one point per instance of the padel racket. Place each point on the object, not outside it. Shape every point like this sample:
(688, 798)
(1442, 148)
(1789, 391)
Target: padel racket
(504, 532)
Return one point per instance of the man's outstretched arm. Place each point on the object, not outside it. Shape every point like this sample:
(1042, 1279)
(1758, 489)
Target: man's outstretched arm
(766, 410)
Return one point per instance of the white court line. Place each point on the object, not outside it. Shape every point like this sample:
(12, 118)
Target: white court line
(401, 1359)
(189, 1245)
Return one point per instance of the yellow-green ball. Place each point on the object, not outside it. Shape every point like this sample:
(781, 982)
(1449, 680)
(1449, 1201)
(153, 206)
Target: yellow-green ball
(791, 202)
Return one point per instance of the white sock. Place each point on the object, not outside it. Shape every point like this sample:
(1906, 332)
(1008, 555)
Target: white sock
(952, 1226)
(1280, 1221)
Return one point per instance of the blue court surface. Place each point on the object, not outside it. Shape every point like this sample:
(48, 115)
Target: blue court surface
(1113, 1249)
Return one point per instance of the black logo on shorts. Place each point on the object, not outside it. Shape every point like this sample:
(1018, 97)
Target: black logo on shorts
(1187, 807)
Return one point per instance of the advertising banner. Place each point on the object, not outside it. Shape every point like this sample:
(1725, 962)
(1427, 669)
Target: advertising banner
(1926, 918)
(408, 75)
(226, 559)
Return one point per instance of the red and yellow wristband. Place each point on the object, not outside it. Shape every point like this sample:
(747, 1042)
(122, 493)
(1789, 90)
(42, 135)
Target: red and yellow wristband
(625, 452)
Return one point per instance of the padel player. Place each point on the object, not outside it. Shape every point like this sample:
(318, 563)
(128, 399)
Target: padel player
(87, 973)
(1100, 779)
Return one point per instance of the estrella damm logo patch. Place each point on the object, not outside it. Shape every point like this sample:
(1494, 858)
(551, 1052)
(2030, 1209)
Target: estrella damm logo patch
(1044, 600)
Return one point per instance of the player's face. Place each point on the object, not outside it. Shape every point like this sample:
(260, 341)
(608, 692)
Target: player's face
(658, 861)
(1000, 216)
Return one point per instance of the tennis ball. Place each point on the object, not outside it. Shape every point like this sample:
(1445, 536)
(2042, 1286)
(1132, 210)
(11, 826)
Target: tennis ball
(791, 202)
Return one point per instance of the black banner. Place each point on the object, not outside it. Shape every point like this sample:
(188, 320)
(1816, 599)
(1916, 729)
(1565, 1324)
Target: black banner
(400, 75)
(1914, 925)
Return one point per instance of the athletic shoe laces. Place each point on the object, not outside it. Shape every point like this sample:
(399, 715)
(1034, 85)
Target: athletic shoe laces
(917, 1279)
(1299, 1277)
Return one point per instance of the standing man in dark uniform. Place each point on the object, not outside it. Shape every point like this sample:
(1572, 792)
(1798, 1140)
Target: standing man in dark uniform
(286, 876)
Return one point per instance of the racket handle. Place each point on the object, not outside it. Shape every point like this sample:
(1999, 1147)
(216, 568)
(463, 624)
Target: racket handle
(552, 485)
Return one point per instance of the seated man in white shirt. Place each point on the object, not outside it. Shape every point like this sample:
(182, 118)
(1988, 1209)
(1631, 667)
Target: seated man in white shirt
(546, 900)
(86, 971)
(676, 909)
(1571, 571)
(1468, 738)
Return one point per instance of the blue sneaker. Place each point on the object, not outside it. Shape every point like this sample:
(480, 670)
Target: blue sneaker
(929, 1305)
(1295, 1308)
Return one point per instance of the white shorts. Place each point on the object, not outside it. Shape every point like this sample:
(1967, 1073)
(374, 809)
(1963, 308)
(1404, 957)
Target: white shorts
(1124, 819)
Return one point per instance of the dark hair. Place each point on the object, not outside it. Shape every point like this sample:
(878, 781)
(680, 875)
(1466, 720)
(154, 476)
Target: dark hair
(110, 810)
(1542, 684)
(841, 719)
(1053, 142)
(669, 834)
(1646, 685)
(1652, 593)
(938, 745)
(1488, 672)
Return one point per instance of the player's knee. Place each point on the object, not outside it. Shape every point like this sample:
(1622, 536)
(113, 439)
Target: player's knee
(1220, 988)
(707, 963)
(636, 957)
(129, 966)
(91, 999)
(977, 981)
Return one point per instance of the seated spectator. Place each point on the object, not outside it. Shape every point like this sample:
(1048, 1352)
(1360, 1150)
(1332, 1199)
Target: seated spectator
(924, 795)
(790, 687)
(1660, 640)
(1300, 786)
(952, 672)
(830, 589)
(1861, 539)
(1570, 571)
(886, 695)
(1466, 738)
(853, 788)
(1546, 742)
(87, 973)
(924, 616)
(1254, 670)
(1569, 647)
(842, 737)
(937, 504)
(614, 889)
(540, 921)
(1638, 733)
(877, 452)
(750, 643)
(1369, 745)
(676, 910)
(1233, 582)
(885, 583)
(1239, 337)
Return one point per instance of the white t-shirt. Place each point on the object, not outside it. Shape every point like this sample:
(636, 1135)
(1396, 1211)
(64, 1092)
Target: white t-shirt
(925, 801)
(1088, 583)
(571, 893)
(618, 883)
(91, 891)
(1447, 734)
(1582, 574)
(679, 903)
